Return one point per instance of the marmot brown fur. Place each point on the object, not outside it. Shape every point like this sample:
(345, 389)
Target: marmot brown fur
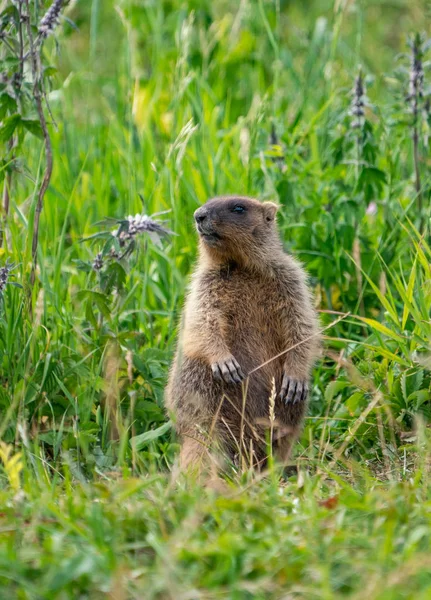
(248, 303)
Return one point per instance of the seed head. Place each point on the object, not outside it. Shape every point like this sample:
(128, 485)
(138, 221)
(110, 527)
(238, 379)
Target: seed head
(98, 262)
(358, 102)
(272, 398)
(51, 19)
(273, 137)
(276, 143)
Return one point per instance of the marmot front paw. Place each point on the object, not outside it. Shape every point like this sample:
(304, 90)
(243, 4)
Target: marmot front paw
(293, 390)
(228, 370)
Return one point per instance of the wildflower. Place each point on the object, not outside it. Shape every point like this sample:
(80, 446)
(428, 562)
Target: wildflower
(416, 81)
(51, 19)
(98, 262)
(414, 102)
(16, 81)
(371, 209)
(132, 226)
(427, 118)
(4, 276)
(358, 102)
(277, 149)
(113, 254)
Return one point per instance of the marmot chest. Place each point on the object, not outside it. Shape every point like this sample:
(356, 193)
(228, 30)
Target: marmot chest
(253, 309)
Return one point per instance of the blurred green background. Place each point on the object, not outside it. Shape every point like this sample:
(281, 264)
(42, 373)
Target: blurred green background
(170, 103)
(157, 106)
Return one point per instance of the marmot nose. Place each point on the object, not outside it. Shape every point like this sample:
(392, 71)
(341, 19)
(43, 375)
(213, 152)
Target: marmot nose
(200, 215)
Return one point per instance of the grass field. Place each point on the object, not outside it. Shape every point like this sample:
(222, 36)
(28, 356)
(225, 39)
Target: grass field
(159, 105)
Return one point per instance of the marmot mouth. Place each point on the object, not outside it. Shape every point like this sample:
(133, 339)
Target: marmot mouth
(210, 239)
(208, 236)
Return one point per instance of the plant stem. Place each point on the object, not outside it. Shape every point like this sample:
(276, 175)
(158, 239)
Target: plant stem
(8, 178)
(6, 197)
(37, 94)
(418, 186)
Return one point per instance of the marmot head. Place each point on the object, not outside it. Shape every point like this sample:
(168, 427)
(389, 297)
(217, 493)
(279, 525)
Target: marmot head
(234, 226)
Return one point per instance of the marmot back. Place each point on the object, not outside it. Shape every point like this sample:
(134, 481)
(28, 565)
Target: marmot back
(248, 303)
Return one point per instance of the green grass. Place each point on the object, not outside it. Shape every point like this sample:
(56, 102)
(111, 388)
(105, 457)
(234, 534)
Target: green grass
(127, 537)
(175, 102)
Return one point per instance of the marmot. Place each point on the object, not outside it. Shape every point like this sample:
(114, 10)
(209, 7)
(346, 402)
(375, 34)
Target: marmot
(248, 303)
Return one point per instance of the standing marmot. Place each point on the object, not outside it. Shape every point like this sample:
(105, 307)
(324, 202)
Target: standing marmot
(248, 302)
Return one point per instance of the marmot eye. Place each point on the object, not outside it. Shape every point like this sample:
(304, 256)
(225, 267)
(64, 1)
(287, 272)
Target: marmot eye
(238, 209)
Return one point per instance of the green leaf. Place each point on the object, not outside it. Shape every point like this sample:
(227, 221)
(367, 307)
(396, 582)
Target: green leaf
(354, 402)
(411, 382)
(65, 390)
(95, 236)
(383, 299)
(333, 388)
(410, 303)
(7, 104)
(409, 294)
(10, 13)
(98, 299)
(114, 276)
(423, 260)
(33, 126)
(381, 328)
(9, 126)
(73, 568)
(49, 71)
(385, 352)
(82, 265)
(139, 441)
(371, 176)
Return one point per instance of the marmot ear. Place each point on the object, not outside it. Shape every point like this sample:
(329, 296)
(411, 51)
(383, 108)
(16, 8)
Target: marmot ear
(269, 210)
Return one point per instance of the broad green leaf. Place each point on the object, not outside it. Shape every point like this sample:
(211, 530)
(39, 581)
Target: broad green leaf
(33, 126)
(139, 441)
(333, 388)
(99, 299)
(8, 128)
(7, 103)
(354, 402)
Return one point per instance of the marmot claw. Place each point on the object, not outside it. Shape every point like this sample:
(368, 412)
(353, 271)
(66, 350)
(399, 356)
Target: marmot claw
(228, 370)
(293, 390)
